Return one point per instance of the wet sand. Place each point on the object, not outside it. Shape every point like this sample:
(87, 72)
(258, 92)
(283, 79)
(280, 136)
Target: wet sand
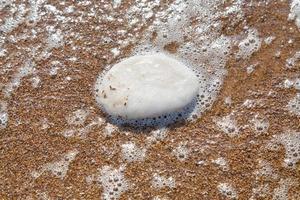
(34, 135)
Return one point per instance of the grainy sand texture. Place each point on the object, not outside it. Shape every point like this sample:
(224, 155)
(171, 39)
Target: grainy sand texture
(242, 143)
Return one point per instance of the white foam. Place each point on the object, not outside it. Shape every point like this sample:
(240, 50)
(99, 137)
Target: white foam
(291, 141)
(265, 170)
(34, 15)
(157, 135)
(14, 21)
(206, 51)
(27, 69)
(159, 181)
(82, 131)
(57, 168)
(260, 124)
(281, 192)
(227, 190)
(181, 151)
(260, 191)
(77, 117)
(112, 180)
(249, 45)
(269, 40)
(131, 152)
(222, 163)
(293, 61)
(109, 129)
(148, 86)
(35, 81)
(287, 83)
(4, 3)
(3, 115)
(160, 198)
(295, 12)
(294, 105)
(116, 3)
(55, 39)
(53, 71)
(250, 69)
(228, 125)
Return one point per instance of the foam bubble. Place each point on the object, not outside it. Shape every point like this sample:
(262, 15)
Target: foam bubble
(4, 3)
(260, 191)
(265, 170)
(291, 141)
(293, 61)
(77, 117)
(27, 69)
(109, 129)
(3, 115)
(249, 45)
(260, 124)
(294, 105)
(269, 40)
(228, 125)
(131, 152)
(181, 151)
(34, 15)
(35, 81)
(159, 181)
(11, 23)
(222, 163)
(227, 190)
(58, 168)
(112, 180)
(281, 192)
(295, 12)
(157, 135)
(116, 3)
(200, 46)
(83, 131)
(55, 39)
(150, 86)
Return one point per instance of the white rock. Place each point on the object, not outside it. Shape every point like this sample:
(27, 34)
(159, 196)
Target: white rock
(146, 86)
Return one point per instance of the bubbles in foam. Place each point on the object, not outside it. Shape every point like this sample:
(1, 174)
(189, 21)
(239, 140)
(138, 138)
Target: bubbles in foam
(157, 135)
(228, 125)
(281, 192)
(148, 86)
(109, 129)
(269, 40)
(112, 181)
(222, 163)
(131, 152)
(227, 190)
(260, 191)
(295, 12)
(3, 115)
(12, 22)
(294, 105)
(265, 170)
(4, 3)
(291, 142)
(260, 124)
(181, 151)
(293, 61)
(77, 117)
(58, 168)
(249, 45)
(200, 46)
(159, 181)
